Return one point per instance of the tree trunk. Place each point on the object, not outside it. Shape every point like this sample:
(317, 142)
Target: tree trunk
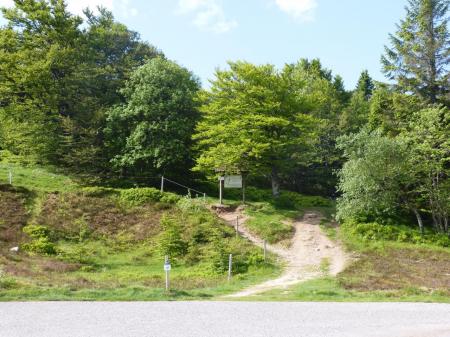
(275, 183)
(419, 219)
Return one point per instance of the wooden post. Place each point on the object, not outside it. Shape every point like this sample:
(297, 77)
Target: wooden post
(162, 184)
(220, 191)
(230, 264)
(243, 188)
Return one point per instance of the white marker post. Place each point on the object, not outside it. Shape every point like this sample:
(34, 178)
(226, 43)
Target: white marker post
(265, 250)
(10, 177)
(230, 264)
(162, 184)
(167, 268)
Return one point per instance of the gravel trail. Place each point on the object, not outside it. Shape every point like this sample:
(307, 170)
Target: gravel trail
(305, 259)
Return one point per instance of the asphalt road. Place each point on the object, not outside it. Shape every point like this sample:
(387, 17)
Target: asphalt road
(217, 319)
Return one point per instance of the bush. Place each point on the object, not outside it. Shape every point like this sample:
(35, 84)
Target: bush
(37, 231)
(378, 232)
(170, 241)
(140, 196)
(40, 243)
(41, 246)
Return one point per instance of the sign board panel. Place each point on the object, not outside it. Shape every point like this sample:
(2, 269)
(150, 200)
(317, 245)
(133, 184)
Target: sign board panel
(233, 181)
(167, 267)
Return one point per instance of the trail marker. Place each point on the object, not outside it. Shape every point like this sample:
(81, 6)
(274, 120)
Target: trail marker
(167, 268)
(230, 264)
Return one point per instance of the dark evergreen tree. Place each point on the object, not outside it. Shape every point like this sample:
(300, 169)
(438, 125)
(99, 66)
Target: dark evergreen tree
(418, 59)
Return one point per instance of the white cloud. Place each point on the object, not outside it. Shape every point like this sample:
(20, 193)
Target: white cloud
(119, 7)
(303, 10)
(208, 15)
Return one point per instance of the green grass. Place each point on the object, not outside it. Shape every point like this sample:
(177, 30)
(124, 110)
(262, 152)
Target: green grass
(35, 178)
(328, 289)
(270, 223)
(134, 274)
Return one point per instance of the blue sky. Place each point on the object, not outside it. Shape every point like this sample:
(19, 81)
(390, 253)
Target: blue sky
(347, 35)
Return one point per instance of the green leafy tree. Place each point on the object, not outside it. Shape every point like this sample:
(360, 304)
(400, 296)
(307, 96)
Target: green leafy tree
(378, 178)
(152, 131)
(324, 98)
(419, 57)
(428, 137)
(254, 120)
(39, 53)
(57, 79)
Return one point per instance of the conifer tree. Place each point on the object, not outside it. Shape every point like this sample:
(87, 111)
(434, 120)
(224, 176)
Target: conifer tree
(418, 59)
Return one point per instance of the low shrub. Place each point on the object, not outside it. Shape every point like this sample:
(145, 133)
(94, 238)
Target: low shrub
(170, 241)
(41, 242)
(378, 232)
(140, 196)
(42, 246)
(37, 231)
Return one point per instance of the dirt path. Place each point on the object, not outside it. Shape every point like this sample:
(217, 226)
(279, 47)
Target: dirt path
(305, 259)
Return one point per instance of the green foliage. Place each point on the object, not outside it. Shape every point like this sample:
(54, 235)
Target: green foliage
(170, 241)
(253, 120)
(376, 178)
(41, 242)
(378, 232)
(418, 59)
(42, 246)
(52, 106)
(139, 196)
(152, 131)
(37, 231)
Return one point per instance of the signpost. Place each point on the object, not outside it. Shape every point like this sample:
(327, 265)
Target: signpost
(233, 181)
(230, 264)
(167, 268)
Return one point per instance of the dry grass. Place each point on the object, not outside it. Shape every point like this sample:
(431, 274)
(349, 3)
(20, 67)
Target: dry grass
(399, 268)
(13, 214)
(67, 213)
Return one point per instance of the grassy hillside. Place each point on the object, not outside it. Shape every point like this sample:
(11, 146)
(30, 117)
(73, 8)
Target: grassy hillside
(95, 243)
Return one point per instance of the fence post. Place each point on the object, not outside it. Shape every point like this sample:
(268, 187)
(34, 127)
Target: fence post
(162, 184)
(230, 264)
(10, 177)
(166, 262)
(265, 250)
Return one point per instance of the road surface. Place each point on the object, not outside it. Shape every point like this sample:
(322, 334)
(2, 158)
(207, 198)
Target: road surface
(227, 319)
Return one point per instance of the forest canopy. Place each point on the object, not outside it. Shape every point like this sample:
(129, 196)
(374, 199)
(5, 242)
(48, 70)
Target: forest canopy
(87, 95)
